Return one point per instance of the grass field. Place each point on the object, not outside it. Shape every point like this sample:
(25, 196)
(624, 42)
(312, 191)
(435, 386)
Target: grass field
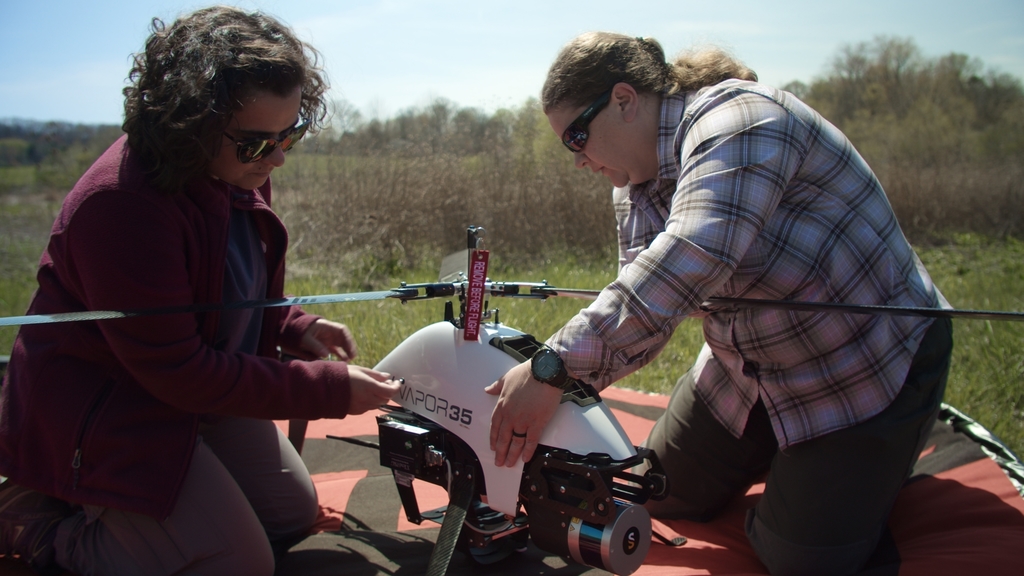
(974, 272)
(14, 178)
(987, 374)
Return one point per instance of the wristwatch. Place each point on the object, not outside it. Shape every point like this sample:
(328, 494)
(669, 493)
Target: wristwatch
(547, 367)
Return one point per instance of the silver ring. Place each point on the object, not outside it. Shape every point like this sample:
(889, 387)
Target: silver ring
(518, 435)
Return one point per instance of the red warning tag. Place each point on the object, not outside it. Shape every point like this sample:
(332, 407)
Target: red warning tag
(475, 293)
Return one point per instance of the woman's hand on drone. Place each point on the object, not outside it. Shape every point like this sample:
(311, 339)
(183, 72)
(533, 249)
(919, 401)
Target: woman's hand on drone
(524, 408)
(370, 388)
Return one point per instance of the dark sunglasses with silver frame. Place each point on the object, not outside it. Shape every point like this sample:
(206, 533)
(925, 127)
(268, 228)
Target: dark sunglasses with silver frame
(575, 135)
(254, 149)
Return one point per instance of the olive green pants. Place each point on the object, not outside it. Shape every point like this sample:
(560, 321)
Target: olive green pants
(826, 500)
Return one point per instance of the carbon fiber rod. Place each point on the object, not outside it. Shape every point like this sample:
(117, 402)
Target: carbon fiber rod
(737, 303)
(717, 303)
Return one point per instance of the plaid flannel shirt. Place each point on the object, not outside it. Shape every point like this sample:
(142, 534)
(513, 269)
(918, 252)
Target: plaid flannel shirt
(758, 196)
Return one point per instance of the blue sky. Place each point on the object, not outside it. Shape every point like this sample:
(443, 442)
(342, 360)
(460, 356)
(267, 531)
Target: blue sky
(67, 60)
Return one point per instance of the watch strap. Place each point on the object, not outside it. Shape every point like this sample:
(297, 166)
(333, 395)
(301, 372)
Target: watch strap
(562, 380)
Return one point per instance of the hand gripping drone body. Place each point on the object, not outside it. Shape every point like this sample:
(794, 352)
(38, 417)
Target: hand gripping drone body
(577, 496)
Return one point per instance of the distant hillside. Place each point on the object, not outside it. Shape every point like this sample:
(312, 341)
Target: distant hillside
(30, 142)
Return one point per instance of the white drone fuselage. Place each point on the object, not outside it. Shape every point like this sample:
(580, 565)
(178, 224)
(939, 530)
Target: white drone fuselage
(445, 376)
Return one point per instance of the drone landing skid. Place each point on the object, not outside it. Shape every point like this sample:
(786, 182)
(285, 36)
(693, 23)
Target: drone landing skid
(461, 495)
(483, 534)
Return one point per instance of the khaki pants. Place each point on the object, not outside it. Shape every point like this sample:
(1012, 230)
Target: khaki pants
(245, 488)
(826, 500)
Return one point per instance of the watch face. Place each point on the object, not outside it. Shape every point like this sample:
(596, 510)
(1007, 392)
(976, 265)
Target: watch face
(546, 365)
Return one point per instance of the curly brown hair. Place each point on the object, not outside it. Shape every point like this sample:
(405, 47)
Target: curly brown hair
(593, 62)
(192, 77)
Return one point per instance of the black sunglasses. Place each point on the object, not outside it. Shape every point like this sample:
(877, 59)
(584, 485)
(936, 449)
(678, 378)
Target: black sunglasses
(575, 135)
(254, 149)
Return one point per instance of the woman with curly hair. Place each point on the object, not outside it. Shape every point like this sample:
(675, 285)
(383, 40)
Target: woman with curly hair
(146, 445)
(724, 187)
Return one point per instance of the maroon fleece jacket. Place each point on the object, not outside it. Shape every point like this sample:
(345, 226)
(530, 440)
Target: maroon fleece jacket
(106, 412)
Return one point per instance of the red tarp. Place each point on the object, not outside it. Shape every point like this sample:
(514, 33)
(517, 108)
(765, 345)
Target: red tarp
(958, 515)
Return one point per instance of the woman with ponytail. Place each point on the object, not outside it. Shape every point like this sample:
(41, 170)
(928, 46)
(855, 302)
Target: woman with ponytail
(724, 187)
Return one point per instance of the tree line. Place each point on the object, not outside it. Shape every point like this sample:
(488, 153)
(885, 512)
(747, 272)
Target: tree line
(944, 134)
(948, 108)
(29, 143)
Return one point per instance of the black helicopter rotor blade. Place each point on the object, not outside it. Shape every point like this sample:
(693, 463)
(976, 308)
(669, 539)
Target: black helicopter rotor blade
(534, 290)
(734, 303)
(568, 292)
(713, 304)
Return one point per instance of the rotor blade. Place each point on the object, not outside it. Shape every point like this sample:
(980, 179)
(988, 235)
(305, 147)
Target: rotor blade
(568, 292)
(513, 289)
(861, 309)
(545, 291)
(454, 266)
(712, 303)
(270, 303)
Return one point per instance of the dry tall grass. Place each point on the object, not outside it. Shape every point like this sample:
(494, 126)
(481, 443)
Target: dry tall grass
(375, 214)
(932, 201)
(371, 216)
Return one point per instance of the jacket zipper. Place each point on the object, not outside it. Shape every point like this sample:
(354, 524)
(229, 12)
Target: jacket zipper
(76, 459)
